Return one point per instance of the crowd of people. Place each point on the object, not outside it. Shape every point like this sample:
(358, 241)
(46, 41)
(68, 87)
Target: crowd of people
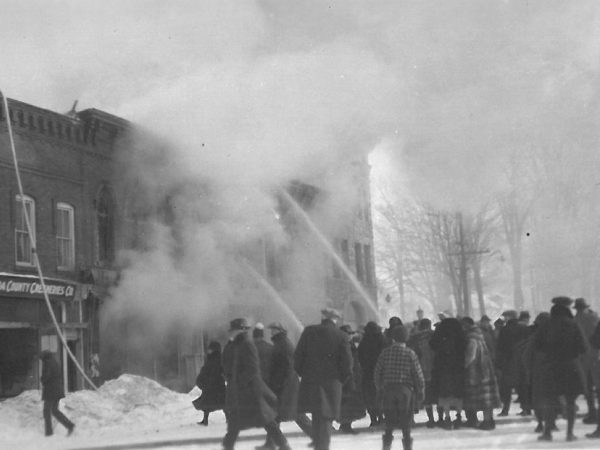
(455, 369)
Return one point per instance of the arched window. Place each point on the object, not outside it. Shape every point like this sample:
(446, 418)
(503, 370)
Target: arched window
(65, 236)
(105, 220)
(23, 249)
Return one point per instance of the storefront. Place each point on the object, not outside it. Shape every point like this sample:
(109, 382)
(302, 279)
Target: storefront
(26, 328)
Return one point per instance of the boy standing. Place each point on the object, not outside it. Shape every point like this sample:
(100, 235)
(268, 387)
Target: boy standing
(400, 385)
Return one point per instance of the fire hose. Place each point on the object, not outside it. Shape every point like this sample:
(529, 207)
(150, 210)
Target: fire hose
(34, 248)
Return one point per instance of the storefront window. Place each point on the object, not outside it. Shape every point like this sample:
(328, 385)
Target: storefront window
(23, 248)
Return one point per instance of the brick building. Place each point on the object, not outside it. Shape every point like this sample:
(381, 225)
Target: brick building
(81, 220)
(66, 167)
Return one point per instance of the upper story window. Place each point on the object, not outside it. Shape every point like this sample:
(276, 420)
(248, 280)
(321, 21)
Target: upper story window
(345, 252)
(23, 248)
(368, 264)
(335, 265)
(65, 236)
(358, 257)
(105, 221)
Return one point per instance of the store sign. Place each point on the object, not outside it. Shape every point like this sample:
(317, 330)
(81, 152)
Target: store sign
(25, 287)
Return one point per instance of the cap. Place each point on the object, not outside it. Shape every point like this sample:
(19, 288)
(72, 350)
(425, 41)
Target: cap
(580, 303)
(330, 313)
(238, 324)
(259, 326)
(485, 318)
(510, 314)
(524, 315)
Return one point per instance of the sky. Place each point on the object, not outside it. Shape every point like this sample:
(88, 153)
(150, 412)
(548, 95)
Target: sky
(447, 87)
(248, 95)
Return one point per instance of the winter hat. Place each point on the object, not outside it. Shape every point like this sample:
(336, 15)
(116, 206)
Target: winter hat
(214, 346)
(580, 303)
(394, 321)
(524, 315)
(510, 314)
(239, 324)
(424, 324)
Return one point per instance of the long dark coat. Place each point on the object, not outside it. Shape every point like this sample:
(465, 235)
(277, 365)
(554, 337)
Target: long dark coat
(419, 343)
(323, 361)
(265, 353)
(562, 342)
(509, 351)
(283, 379)
(369, 350)
(353, 406)
(448, 372)
(537, 366)
(588, 320)
(52, 382)
(481, 386)
(212, 383)
(250, 403)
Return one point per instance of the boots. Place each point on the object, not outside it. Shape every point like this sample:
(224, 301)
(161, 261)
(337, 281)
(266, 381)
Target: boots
(387, 441)
(407, 443)
(594, 435)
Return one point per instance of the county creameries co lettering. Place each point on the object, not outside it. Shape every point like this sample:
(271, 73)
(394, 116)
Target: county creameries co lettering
(35, 288)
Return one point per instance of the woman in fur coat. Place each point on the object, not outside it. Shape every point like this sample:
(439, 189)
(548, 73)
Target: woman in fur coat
(481, 386)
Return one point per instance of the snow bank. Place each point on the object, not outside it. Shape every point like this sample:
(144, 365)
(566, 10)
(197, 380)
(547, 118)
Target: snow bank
(128, 400)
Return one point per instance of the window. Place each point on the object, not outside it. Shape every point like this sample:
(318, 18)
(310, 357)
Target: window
(335, 264)
(104, 211)
(368, 264)
(23, 248)
(345, 253)
(358, 257)
(65, 236)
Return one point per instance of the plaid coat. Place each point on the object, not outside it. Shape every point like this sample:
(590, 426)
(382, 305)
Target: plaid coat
(481, 386)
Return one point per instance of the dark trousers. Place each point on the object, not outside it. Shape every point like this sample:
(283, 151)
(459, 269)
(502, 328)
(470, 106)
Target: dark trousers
(398, 410)
(51, 409)
(321, 430)
(272, 429)
(303, 422)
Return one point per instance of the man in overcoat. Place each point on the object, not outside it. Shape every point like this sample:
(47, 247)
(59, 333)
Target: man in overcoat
(587, 320)
(52, 392)
(250, 403)
(265, 351)
(323, 361)
(284, 382)
(508, 355)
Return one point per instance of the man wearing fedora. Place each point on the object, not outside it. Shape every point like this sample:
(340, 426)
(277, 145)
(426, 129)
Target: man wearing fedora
(323, 361)
(249, 402)
(587, 321)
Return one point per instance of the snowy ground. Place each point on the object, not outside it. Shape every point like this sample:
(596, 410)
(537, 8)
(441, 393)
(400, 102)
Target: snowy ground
(136, 413)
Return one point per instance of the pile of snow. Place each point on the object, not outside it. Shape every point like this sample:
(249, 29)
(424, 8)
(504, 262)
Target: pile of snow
(130, 399)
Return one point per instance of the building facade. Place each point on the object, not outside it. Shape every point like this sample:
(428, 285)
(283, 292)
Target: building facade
(65, 165)
(82, 220)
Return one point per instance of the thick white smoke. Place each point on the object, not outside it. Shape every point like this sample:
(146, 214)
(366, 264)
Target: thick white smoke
(247, 96)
